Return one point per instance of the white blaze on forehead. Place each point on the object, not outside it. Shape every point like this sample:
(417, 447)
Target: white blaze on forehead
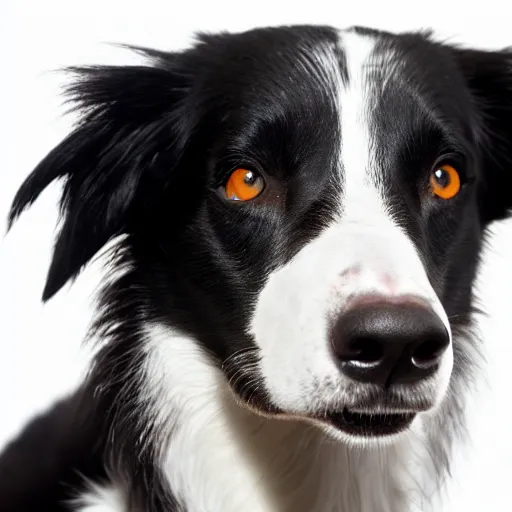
(363, 194)
(356, 148)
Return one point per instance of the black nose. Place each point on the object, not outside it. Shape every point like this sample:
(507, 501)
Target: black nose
(388, 344)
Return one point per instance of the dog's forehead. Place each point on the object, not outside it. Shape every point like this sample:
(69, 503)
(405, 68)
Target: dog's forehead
(296, 69)
(284, 55)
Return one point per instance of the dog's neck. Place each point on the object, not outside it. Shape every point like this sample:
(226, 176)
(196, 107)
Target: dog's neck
(219, 456)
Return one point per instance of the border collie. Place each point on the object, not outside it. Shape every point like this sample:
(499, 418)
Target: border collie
(295, 217)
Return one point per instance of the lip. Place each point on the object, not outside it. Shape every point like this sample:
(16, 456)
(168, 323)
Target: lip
(359, 424)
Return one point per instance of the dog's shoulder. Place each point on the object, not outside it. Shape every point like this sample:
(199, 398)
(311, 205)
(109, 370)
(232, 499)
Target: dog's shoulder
(47, 464)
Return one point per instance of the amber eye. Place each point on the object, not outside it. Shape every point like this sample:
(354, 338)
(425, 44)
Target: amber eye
(445, 182)
(244, 185)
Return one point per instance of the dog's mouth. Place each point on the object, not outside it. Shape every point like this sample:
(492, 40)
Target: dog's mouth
(370, 420)
(368, 424)
(355, 423)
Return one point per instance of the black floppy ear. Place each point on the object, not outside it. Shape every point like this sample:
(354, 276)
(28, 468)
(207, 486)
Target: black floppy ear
(128, 117)
(489, 76)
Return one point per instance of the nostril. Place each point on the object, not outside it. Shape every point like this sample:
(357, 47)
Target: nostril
(365, 350)
(428, 353)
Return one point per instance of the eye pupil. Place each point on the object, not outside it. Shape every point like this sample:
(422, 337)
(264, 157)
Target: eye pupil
(250, 178)
(442, 178)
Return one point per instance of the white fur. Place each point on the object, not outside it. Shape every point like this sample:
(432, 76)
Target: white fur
(364, 252)
(101, 499)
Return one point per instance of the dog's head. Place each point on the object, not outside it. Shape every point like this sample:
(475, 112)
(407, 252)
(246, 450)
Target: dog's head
(307, 204)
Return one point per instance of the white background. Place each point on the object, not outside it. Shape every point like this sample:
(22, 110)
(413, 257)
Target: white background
(40, 347)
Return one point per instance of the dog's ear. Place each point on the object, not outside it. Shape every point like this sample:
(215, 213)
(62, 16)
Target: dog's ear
(489, 77)
(128, 117)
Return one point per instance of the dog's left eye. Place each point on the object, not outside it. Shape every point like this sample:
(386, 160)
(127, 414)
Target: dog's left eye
(243, 185)
(445, 182)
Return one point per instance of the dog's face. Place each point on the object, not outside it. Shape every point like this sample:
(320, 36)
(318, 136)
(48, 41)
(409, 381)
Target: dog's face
(307, 204)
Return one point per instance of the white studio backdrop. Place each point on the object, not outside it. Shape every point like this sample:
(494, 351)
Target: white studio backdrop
(41, 352)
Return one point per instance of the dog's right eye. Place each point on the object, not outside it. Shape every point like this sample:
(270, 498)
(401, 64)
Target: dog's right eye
(243, 185)
(445, 182)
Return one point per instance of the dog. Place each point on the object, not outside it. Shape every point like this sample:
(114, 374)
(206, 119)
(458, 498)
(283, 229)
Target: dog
(294, 217)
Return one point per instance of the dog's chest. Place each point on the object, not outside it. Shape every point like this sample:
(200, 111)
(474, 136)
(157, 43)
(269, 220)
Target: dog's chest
(288, 467)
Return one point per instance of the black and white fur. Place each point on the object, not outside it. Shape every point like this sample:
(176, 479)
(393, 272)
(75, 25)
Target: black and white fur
(214, 371)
